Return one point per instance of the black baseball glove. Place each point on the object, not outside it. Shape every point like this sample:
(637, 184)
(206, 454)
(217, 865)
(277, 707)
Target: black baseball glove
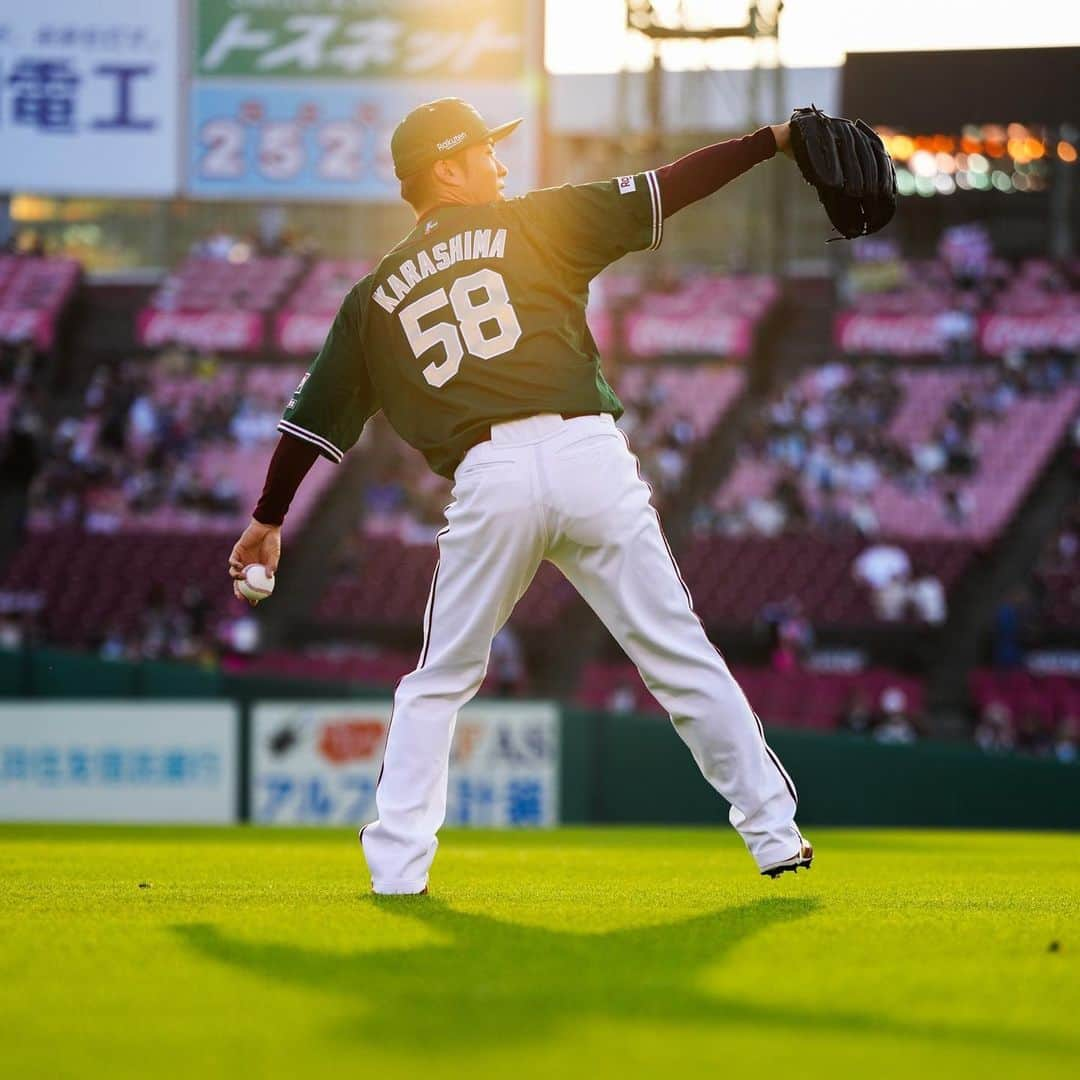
(850, 168)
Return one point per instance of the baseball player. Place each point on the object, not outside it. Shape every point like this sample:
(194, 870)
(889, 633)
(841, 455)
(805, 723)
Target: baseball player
(471, 336)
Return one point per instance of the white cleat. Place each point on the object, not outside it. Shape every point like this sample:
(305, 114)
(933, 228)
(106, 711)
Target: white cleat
(801, 859)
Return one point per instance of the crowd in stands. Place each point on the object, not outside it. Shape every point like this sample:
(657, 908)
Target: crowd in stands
(1022, 712)
(889, 719)
(822, 453)
(159, 435)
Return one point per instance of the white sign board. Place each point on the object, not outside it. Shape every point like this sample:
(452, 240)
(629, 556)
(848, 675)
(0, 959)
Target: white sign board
(118, 761)
(90, 96)
(318, 763)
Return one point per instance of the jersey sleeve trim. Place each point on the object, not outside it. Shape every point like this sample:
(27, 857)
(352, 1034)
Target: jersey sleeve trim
(657, 209)
(325, 445)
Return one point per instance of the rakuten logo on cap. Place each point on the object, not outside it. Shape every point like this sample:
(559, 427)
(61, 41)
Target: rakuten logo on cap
(448, 144)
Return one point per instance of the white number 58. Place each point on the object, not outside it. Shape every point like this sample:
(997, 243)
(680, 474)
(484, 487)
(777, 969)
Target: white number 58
(494, 307)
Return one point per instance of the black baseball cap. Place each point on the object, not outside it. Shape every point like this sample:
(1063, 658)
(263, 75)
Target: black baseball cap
(437, 129)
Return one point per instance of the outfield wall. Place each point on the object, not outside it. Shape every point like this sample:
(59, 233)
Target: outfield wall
(636, 769)
(596, 767)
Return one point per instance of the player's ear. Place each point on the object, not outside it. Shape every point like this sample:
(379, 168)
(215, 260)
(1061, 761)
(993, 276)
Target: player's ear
(448, 171)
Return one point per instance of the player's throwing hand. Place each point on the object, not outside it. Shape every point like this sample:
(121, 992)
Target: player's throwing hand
(258, 543)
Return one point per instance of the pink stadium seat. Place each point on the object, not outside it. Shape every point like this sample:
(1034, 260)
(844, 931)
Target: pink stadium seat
(92, 582)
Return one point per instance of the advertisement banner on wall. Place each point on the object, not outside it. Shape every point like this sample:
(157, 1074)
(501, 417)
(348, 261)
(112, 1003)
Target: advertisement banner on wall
(90, 97)
(360, 39)
(300, 103)
(649, 335)
(228, 331)
(299, 333)
(998, 334)
(118, 762)
(318, 763)
(897, 335)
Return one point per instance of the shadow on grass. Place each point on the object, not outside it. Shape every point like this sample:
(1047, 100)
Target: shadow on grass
(493, 982)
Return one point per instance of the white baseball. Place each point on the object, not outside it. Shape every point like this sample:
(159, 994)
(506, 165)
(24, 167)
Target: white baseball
(256, 584)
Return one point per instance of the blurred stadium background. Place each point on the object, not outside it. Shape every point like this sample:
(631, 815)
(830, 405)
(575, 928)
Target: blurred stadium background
(867, 455)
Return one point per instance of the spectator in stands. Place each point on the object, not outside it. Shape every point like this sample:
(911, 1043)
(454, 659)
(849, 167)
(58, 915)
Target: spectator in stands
(1067, 743)
(864, 518)
(788, 496)
(222, 496)
(668, 461)
(994, 731)
(895, 726)
(240, 635)
(1006, 644)
(11, 633)
(681, 431)
(507, 663)
(254, 421)
(1032, 735)
(156, 624)
(885, 569)
(830, 517)
(858, 717)
(785, 633)
(926, 596)
(956, 504)
(929, 460)
(622, 700)
(957, 328)
(114, 644)
(20, 460)
(962, 412)
(764, 516)
(794, 637)
(961, 458)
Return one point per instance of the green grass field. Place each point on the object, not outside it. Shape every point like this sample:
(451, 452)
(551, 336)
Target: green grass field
(257, 953)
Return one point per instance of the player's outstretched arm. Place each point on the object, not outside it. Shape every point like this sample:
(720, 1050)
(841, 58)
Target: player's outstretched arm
(260, 542)
(705, 171)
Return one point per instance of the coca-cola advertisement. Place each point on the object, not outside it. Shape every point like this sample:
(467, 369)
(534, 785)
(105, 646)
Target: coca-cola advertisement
(649, 334)
(222, 331)
(999, 334)
(898, 335)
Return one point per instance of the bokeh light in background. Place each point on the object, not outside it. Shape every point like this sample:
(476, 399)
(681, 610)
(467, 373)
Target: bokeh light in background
(1021, 156)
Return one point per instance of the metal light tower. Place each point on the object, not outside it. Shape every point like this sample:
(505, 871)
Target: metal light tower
(673, 23)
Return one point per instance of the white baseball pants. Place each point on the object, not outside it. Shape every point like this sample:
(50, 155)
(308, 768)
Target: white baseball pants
(568, 491)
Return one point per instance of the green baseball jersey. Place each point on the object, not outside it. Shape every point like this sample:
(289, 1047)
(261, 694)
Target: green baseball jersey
(476, 317)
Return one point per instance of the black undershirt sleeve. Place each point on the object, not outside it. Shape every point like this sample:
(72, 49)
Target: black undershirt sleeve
(707, 170)
(290, 463)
